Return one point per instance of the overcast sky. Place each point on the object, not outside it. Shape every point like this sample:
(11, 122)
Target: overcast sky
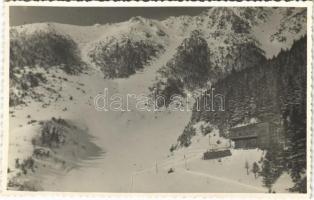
(88, 16)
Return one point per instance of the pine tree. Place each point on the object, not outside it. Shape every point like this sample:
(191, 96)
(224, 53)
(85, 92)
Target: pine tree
(247, 167)
(255, 169)
(266, 173)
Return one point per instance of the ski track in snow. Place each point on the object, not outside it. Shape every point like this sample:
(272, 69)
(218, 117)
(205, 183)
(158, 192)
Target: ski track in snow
(225, 180)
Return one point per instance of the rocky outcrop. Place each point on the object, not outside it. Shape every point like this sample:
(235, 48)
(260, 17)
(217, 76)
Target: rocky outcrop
(120, 59)
(58, 147)
(44, 48)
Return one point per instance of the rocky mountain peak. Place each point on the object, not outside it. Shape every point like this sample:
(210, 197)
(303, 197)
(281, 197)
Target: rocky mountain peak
(138, 19)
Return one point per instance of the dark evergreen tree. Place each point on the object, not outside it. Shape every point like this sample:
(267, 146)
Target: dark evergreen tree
(255, 169)
(124, 58)
(274, 92)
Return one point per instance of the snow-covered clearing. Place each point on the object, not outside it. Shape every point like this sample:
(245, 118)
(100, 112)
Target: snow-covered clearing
(197, 175)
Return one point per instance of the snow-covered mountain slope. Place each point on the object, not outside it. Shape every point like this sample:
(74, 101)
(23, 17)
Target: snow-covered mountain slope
(222, 28)
(135, 28)
(133, 140)
(119, 134)
(292, 25)
(226, 28)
